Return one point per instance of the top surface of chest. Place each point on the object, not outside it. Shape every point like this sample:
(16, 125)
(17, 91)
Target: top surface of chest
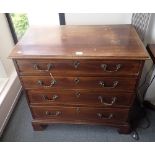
(80, 42)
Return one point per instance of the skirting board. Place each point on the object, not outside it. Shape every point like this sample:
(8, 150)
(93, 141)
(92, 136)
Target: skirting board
(8, 100)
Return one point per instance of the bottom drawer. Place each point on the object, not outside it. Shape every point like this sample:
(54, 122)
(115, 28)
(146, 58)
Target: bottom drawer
(80, 113)
(100, 114)
(42, 112)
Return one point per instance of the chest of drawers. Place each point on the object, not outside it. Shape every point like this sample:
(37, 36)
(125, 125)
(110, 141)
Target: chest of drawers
(80, 74)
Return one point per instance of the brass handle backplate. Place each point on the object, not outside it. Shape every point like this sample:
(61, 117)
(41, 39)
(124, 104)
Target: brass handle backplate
(37, 67)
(105, 68)
(107, 104)
(54, 97)
(115, 83)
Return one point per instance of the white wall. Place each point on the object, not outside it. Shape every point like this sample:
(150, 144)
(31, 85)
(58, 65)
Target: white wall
(97, 18)
(6, 45)
(43, 19)
(12, 89)
(3, 73)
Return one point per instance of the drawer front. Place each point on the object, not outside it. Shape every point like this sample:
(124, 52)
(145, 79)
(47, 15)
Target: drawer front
(56, 112)
(86, 98)
(102, 83)
(100, 114)
(76, 67)
(70, 113)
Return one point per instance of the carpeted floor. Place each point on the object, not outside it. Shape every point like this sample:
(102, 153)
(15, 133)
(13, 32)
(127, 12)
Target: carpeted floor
(19, 129)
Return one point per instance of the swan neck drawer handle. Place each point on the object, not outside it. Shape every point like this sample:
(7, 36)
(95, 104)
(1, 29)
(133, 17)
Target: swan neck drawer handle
(54, 97)
(102, 116)
(37, 67)
(105, 68)
(107, 104)
(115, 83)
(41, 83)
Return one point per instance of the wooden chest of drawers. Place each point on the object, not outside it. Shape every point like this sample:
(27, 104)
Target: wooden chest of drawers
(80, 74)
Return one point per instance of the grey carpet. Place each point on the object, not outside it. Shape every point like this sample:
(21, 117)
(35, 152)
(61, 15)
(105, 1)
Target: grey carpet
(19, 129)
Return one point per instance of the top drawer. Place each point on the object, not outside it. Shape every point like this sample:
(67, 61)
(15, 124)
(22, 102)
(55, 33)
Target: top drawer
(79, 67)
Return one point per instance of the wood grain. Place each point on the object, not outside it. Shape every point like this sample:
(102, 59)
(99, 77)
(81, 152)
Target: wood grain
(99, 42)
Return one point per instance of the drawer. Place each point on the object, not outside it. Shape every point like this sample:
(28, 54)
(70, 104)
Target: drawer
(79, 67)
(102, 83)
(85, 98)
(57, 112)
(100, 114)
(76, 113)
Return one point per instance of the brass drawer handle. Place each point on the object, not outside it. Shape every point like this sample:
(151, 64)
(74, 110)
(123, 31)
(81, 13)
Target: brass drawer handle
(37, 67)
(107, 104)
(102, 116)
(76, 64)
(56, 113)
(76, 80)
(115, 83)
(41, 83)
(105, 68)
(54, 97)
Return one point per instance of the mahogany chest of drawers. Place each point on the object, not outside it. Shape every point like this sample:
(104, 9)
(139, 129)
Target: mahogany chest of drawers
(80, 74)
